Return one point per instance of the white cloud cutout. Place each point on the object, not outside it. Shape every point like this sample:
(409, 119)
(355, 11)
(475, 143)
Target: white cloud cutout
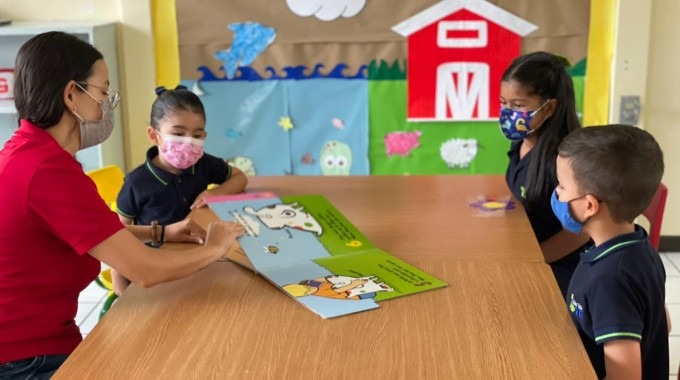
(326, 10)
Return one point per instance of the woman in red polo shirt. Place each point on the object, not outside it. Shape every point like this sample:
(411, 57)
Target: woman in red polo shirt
(54, 228)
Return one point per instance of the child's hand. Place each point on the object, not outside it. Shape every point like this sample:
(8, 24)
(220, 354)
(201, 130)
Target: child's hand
(200, 200)
(119, 287)
(120, 283)
(186, 231)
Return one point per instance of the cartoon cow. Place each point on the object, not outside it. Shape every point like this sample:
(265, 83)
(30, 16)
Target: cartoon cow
(371, 286)
(279, 216)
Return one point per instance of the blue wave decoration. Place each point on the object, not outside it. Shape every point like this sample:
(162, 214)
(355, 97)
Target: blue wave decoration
(299, 72)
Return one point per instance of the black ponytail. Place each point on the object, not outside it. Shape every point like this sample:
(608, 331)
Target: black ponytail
(171, 101)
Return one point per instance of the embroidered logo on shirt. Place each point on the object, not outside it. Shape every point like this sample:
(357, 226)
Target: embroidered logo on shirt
(575, 307)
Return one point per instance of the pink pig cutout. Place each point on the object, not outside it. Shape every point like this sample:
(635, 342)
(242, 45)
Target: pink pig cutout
(401, 143)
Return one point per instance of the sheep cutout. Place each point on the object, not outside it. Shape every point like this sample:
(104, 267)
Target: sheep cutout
(278, 216)
(458, 152)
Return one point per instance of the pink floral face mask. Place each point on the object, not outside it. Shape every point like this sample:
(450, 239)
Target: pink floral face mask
(181, 151)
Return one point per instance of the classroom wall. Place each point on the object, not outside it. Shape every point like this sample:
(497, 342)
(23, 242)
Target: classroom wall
(135, 54)
(661, 111)
(138, 75)
(629, 60)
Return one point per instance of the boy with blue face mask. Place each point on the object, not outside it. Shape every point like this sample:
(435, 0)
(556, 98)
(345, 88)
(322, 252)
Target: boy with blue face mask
(607, 176)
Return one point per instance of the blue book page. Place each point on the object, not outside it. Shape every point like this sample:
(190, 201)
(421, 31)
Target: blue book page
(277, 234)
(318, 289)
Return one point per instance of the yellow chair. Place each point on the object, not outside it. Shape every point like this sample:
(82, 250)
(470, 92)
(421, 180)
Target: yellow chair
(109, 181)
(105, 281)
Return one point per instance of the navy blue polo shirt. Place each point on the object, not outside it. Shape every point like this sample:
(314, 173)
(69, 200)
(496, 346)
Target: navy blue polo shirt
(618, 292)
(151, 193)
(541, 216)
(543, 221)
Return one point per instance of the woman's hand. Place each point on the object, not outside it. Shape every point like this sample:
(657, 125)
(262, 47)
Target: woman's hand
(221, 235)
(186, 231)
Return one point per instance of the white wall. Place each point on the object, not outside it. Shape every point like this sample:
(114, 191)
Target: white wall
(631, 49)
(82, 10)
(662, 106)
(135, 54)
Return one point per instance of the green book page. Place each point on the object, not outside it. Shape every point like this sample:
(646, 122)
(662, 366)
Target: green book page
(400, 277)
(339, 236)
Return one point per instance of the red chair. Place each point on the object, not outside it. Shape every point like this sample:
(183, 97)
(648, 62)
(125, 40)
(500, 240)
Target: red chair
(654, 214)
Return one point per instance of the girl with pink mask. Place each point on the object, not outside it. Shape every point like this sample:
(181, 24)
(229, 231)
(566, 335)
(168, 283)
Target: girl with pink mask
(175, 177)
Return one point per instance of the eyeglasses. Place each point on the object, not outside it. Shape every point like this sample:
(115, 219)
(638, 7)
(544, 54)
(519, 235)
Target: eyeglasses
(113, 96)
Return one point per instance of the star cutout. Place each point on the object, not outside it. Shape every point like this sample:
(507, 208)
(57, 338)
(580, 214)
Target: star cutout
(286, 123)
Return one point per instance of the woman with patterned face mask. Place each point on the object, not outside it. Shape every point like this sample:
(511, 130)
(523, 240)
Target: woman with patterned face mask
(56, 229)
(538, 109)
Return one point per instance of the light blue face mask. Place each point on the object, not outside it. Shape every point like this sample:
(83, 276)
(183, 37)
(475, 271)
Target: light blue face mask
(563, 213)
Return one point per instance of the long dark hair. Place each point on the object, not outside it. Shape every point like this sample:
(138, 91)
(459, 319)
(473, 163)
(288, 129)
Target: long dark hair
(545, 75)
(44, 65)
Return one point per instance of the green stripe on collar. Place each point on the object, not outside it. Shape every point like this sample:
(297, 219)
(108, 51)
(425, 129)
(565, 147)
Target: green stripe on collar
(616, 247)
(150, 168)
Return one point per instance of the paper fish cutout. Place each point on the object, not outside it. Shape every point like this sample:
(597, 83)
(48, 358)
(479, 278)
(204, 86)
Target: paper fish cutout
(338, 123)
(250, 40)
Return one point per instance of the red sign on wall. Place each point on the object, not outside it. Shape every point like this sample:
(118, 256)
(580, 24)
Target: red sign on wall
(457, 52)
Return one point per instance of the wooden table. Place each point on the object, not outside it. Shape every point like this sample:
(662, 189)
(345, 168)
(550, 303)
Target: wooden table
(500, 317)
(425, 217)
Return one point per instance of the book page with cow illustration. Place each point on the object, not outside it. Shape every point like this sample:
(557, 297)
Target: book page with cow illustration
(306, 247)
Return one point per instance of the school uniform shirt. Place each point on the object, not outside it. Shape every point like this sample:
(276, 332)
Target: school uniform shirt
(541, 216)
(543, 221)
(151, 193)
(52, 215)
(617, 292)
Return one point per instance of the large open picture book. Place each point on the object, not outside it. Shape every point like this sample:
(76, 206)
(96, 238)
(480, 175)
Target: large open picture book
(308, 249)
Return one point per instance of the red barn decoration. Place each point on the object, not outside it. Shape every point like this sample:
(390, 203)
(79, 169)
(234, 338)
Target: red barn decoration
(457, 52)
